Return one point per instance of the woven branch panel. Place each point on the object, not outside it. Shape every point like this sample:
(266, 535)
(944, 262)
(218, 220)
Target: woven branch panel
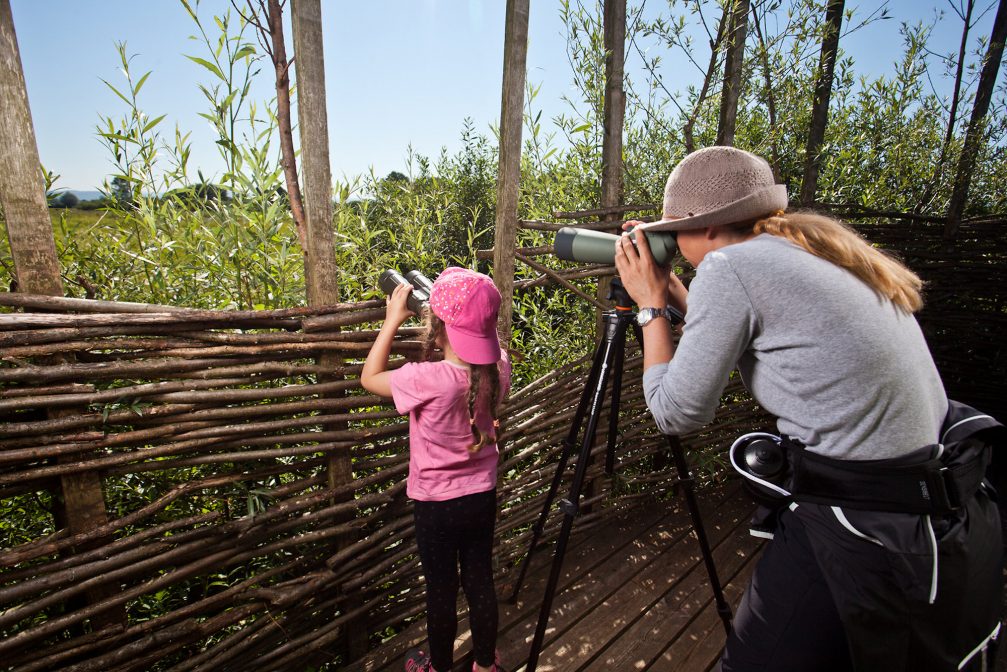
(225, 546)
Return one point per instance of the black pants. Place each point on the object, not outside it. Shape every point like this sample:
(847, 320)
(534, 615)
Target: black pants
(826, 597)
(787, 620)
(452, 534)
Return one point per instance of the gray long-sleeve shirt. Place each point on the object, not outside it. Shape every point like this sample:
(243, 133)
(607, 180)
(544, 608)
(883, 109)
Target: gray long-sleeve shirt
(844, 371)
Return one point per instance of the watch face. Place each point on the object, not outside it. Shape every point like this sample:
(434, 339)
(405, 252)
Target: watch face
(645, 315)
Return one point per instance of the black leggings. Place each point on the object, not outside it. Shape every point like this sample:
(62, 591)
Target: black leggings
(449, 534)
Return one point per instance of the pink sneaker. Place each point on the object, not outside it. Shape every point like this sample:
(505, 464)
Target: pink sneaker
(417, 660)
(496, 664)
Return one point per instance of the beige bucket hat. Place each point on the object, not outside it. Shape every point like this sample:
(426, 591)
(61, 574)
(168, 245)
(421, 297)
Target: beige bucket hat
(716, 186)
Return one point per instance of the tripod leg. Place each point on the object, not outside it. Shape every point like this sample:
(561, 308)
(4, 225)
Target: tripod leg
(685, 476)
(568, 443)
(613, 416)
(571, 505)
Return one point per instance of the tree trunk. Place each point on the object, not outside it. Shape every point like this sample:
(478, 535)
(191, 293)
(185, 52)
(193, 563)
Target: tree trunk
(711, 71)
(320, 272)
(767, 77)
(37, 270)
(615, 103)
(949, 134)
(820, 106)
(509, 172)
(974, 134)
(733, 66)
(288, 157)
(614, 29)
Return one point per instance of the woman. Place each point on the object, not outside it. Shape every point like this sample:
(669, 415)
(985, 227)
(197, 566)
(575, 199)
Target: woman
(820, 325)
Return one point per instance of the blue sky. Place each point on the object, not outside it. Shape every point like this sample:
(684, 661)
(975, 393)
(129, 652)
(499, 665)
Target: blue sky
(398, 72)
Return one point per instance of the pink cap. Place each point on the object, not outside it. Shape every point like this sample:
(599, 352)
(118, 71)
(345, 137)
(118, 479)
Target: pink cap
(468, 303)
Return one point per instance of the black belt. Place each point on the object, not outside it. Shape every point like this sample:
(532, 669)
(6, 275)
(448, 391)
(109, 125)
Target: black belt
(937, 486)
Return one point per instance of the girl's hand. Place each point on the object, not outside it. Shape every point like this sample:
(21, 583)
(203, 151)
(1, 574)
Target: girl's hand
(398, 311)
(646, 282)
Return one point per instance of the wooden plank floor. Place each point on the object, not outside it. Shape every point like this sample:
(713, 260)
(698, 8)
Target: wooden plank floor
(633, 595)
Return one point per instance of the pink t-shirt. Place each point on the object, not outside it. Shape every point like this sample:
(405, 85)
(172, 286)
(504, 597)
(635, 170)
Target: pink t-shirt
(435, 395)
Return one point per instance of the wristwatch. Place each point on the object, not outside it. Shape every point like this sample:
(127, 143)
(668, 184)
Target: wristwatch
(646, 315)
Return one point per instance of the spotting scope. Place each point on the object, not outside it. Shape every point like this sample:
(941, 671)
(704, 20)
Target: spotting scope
(422, 285)
(597, 247)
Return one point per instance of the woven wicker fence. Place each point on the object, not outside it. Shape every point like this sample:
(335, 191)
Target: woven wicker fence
(226, 547)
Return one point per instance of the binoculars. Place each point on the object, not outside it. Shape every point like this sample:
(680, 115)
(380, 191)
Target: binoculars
(597, 247)
(418, 298)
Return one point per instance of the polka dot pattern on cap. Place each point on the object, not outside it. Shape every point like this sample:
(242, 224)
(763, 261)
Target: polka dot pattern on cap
(468, 303)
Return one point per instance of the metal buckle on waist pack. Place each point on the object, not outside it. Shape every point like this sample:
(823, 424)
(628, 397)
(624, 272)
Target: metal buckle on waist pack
(943, 490)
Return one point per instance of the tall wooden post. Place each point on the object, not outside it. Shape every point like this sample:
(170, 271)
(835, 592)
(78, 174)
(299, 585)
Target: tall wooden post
(615, 103)
(320, 270)
(29, 230)
(312, 119)
(319, 257)
(509, 172)
(820, 106)
(974, 134)
(21, 185)
(614, 113)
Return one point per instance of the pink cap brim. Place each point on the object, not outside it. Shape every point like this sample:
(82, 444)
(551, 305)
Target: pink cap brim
(474, 348)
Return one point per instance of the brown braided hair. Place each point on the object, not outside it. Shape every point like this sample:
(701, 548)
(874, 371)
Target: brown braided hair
(484, 384)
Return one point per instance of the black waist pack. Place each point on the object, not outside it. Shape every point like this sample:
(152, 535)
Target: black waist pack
(936, 479)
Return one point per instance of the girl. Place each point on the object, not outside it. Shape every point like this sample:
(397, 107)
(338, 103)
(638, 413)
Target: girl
(452, 406)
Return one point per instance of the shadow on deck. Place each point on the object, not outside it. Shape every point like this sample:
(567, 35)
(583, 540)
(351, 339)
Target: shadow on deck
(633, 595)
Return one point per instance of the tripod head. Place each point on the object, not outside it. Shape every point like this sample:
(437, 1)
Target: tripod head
(617, 292)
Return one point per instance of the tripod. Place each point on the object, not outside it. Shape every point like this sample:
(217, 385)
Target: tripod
(608, 361)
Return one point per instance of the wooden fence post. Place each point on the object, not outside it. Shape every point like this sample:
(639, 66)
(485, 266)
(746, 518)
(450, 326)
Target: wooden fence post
(36, 266)
(614, 28)
(320, 256)
(820, 105)
(509, 172)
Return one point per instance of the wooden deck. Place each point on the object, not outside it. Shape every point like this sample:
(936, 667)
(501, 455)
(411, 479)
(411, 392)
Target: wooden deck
(633, 595)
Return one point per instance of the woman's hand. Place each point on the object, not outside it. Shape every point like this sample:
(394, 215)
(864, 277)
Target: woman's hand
(646, 282)
(398, 311)
(677, 292)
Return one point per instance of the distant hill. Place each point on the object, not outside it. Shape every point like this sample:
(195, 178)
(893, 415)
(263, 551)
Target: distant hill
(86, 195)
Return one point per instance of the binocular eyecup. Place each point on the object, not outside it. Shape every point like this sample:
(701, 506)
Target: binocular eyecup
(422, 286)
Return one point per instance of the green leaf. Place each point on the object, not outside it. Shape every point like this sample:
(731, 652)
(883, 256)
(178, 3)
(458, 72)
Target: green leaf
(209, 66)
(246, 50)
(119, 136)
(154, 122)
(116, 92)
(139, 84)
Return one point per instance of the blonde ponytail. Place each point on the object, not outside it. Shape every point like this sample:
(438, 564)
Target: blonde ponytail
(835, 241)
